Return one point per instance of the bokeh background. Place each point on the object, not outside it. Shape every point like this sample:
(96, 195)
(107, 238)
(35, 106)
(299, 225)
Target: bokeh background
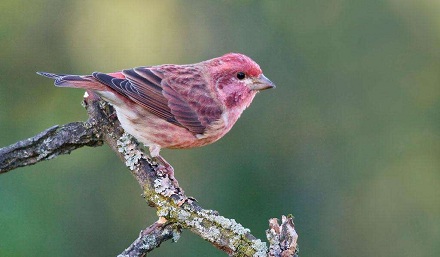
(348, 142)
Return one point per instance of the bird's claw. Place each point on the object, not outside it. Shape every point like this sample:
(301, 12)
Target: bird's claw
(164, 169)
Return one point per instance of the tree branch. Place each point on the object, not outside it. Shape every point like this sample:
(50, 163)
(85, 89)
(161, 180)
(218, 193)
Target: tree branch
(174, 209)
(48, 144)
(151, 238)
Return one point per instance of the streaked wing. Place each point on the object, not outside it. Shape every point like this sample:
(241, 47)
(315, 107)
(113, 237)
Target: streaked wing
(149, 88)
(191, 100)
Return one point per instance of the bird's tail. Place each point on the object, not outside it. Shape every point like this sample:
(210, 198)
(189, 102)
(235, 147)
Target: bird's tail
(76, 81)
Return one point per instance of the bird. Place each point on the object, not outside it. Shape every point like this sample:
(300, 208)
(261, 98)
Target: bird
(176, 106)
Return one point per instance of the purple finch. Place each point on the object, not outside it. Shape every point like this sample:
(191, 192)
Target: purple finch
(177, 106)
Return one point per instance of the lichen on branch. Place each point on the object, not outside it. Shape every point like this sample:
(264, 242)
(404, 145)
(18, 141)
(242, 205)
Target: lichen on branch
(175, 210)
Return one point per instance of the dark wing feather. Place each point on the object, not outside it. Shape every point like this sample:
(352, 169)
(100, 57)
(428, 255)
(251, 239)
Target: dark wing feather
(183, 112)
(150, 89)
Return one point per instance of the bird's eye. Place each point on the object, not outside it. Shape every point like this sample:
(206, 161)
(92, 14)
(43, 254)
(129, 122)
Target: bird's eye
(241, 75)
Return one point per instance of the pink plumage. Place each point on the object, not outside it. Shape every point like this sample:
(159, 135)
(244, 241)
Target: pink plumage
(177, 106)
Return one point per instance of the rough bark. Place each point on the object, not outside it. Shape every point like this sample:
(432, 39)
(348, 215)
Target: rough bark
(48, 144)
(174, 209)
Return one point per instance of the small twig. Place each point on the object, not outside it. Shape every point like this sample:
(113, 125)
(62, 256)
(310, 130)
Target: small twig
(151, 238)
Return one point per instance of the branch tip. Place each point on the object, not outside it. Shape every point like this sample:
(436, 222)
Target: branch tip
(282, 237)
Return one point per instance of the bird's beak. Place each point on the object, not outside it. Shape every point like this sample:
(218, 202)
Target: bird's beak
(261, 83)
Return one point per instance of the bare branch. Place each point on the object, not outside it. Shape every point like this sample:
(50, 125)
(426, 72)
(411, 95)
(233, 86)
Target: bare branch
(48, 144)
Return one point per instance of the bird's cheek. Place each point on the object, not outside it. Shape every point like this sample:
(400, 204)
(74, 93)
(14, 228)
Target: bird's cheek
(233, 99)
(221, 82)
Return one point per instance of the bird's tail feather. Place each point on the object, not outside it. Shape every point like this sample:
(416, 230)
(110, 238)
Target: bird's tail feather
(76, 81)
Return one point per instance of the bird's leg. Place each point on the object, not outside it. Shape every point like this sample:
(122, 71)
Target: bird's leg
(164, 168)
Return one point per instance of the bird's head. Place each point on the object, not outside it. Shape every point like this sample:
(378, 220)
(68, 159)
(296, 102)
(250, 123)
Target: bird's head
(237, 78)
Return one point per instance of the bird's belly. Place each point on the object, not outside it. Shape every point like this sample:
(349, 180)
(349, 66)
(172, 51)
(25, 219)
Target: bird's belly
(152, 130)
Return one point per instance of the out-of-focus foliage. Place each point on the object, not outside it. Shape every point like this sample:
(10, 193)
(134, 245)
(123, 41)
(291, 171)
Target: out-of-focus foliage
(348, 142)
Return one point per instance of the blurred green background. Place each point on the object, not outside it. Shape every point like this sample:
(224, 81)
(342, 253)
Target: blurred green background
(348, 142)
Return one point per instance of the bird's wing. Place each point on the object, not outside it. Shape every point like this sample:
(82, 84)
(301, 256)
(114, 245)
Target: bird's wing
(191, 100)
(152, 90)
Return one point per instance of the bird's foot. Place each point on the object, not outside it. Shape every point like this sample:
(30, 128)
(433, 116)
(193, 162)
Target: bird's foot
(164, 169)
